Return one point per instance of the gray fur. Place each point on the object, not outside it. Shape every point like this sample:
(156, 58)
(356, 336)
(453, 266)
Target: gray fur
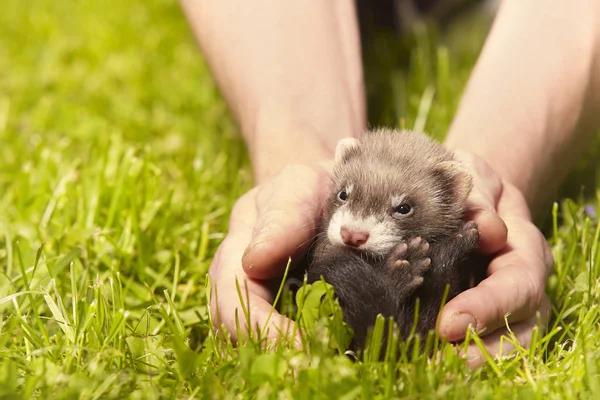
(384, 164)
(387, 163)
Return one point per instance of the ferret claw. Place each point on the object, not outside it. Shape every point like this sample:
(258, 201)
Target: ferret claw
(408, 262)
(468, 235)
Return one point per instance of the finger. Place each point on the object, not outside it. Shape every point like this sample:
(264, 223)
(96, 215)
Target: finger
(253, 308)
(256, 318)
(288, 210)
(497, 344)
(513, 203)
(485, 306)
(514, 208)
(482, 203)
(515, 287)
(492, 230)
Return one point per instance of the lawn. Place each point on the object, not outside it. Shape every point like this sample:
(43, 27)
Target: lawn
(119, 164)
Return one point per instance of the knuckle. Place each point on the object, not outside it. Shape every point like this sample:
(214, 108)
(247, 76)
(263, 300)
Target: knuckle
(481, 200)
(533, 289)
(516, 197)
(542, 251)
(494, 316)
(487, 188)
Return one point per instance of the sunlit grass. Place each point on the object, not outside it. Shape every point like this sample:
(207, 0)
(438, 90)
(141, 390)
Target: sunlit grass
(119, 164)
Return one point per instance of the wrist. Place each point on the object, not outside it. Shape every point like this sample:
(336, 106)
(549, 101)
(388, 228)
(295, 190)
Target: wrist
(275, 141)
(272, 150)
(518, 172)
(510, 114)
(519, 176)
(270, 154)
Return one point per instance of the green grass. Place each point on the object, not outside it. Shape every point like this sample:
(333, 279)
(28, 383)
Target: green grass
(119, 164)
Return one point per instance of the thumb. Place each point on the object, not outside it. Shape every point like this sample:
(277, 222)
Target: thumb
(483, 201)
(288, 211)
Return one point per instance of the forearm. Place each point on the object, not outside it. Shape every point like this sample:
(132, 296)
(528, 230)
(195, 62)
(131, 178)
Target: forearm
(534, 95)
(290, 71)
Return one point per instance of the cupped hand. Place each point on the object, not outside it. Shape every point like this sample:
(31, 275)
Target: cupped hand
(268, 225)
(278, 219)
(514, 289)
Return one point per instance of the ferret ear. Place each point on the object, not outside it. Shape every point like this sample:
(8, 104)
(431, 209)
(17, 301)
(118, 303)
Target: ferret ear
(457, 176)
(343, 148)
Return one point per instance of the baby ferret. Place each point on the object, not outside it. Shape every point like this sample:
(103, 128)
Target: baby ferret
(393, 231)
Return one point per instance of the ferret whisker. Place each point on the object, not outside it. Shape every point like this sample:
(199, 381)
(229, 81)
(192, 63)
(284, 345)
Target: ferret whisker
(309, 240)
(317, 238)
(308, 228)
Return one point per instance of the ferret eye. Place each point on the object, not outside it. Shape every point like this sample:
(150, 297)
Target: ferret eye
(343, 195)
(403, 210)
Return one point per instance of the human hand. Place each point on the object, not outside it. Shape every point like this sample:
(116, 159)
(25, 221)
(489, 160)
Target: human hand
(269, 224)
(516, 276)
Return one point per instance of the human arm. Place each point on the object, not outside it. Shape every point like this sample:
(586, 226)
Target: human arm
(291, 72)
(527, 111)
(533, 96)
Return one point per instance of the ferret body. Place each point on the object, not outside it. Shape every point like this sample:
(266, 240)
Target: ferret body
(393, 231)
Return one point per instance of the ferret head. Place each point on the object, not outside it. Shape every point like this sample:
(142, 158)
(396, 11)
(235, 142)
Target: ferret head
(393, 185)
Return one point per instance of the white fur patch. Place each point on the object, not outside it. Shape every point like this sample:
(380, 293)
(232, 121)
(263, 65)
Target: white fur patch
(381, 235)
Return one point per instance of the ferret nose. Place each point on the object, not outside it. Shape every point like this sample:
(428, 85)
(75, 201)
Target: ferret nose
(353, 238)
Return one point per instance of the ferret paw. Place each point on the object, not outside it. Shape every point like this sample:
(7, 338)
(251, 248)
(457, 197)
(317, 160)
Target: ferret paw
(408, 262)
(468, 235)
(412, 250)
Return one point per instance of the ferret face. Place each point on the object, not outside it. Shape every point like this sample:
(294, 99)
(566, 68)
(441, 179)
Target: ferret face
(385, 191)
(374, 219)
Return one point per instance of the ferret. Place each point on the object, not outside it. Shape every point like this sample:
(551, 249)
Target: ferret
(393, 231)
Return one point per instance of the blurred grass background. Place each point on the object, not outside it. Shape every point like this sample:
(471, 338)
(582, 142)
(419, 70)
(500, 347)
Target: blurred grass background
(119, 164)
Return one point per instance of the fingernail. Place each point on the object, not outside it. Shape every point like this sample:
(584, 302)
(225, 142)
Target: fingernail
(457, 324)
(253, 243)
(247, 251)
